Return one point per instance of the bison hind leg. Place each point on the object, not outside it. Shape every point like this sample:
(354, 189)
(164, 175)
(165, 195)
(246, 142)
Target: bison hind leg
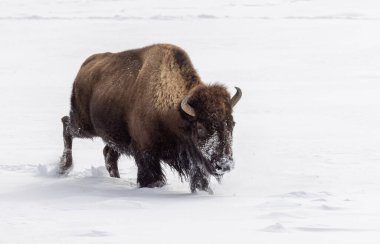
(66, 162)
(149, 171)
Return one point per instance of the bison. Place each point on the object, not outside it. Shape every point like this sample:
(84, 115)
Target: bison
(151, 104)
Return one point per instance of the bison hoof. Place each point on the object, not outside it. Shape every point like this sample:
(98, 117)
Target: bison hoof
(159, 183)
(64, 170)
(114, 173)
(206, 189)
(65, 164)
(209, 191)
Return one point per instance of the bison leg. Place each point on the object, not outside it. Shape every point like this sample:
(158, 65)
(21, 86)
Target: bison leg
(66, 161)
(199, 179)
(149, 173)
(111, 156)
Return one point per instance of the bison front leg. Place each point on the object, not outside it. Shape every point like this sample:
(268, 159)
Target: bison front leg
(111, 157)
(149, 172)
(199, 179)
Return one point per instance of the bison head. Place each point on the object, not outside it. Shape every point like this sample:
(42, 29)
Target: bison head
(209, 108)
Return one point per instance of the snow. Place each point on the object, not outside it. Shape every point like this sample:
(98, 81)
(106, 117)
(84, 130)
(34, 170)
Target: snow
(306, 141)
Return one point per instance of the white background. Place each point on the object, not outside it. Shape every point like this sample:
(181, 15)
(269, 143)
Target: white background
(306, 141)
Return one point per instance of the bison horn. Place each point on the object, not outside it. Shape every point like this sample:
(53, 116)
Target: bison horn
(186, 107)
(235, 99)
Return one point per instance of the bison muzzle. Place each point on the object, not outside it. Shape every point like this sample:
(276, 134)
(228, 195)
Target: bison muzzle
(151, 104)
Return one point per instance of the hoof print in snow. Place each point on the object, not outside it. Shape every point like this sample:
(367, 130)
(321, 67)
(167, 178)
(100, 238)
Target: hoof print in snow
(275, 228)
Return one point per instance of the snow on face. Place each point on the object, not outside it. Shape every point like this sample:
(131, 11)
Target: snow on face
(211, 150)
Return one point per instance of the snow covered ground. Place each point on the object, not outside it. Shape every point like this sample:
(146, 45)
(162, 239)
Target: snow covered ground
(306, 142)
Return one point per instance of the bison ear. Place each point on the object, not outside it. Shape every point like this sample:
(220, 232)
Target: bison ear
(235, 99)
(186, 107)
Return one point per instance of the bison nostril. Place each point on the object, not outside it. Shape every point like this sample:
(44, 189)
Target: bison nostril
(222, 169)
(219, 170)
(226, 168)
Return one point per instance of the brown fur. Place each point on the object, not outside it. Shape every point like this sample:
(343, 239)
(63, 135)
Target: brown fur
(116, 83)
(132, 101)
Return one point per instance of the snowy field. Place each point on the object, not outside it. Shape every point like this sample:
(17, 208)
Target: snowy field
(306, 141)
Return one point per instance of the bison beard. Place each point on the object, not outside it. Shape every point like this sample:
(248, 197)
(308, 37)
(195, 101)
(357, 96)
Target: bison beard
(150, 104)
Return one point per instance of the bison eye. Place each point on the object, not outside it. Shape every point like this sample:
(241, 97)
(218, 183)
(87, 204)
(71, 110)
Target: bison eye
(201, 130)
